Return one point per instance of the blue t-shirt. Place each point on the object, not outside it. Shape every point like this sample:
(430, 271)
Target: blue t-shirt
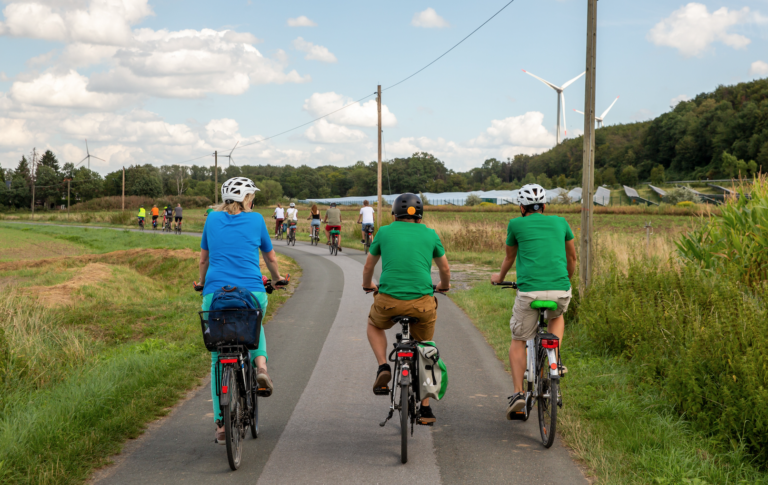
(233, 243)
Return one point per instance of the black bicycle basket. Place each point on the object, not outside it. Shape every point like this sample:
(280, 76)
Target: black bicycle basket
(231, 327)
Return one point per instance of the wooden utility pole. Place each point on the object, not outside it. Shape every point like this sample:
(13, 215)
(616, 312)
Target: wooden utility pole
(68, 181)
(123, 188)
(588, 170)
(379, 209)
(34, 178)
(216, 177)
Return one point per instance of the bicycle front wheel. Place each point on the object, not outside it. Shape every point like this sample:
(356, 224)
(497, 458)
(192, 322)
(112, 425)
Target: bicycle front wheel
(404, 423)
(233, 422)
(548, 390)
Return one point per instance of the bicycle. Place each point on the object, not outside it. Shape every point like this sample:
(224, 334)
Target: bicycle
(237, 389)
(334, 246)
(368, 233)
(291, 240)
(167, 226)
(141, 224)
(405, 379)
(177, 228)
(542, 374)
(314, 237)
(279, 232)
(154, 224)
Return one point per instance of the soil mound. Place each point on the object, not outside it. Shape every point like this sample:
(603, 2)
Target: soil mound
(58, 295)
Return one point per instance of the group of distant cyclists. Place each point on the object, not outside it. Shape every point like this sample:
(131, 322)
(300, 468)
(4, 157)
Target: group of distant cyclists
(541, 247)
(169, 214)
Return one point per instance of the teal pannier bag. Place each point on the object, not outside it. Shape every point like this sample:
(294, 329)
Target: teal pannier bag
(433, 376)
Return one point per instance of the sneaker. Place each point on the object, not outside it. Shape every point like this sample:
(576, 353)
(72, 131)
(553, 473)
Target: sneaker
(516, 404)
(426, 416)
(339, 248)
(563, 370)
(264, 385)
(221, 436)
(383, 376)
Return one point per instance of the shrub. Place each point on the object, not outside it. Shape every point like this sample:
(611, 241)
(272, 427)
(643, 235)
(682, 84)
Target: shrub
(473, 199)
(681, 194)
(121, 218)
(701, 338)
(487, 204)
(685, 203)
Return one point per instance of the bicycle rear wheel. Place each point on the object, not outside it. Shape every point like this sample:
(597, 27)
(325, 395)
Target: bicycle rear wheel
(404, 423)
(548, 389)
(254, 413)
(233, 422)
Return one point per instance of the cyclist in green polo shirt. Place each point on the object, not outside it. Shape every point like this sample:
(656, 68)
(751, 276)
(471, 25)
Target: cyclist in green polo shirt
(546, 259)
(406, 249)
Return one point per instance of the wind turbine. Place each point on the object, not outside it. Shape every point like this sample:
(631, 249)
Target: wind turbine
(560, 100)
(600, 118)
(88, 157)
(231, 160)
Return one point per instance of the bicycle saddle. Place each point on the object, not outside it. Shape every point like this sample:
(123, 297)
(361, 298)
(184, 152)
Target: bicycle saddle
(405, 319)
(544, 305)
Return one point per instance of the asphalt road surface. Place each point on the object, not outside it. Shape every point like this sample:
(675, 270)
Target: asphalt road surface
(321, 425)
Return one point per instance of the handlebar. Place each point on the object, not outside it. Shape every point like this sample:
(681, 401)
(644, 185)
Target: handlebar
(268, 285)
(434, 288)
(505, 285)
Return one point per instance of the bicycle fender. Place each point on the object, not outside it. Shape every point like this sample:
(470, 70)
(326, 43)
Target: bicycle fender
(224, 397)
(553, 371)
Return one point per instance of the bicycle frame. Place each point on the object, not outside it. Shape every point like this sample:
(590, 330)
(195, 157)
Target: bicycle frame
(532, 347)
(405, 373)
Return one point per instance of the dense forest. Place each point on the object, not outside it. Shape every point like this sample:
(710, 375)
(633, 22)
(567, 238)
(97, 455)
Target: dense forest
(716, 135)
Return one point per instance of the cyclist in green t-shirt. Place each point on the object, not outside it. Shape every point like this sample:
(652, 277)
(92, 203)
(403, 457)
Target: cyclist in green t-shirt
(546, 259)
(406, 248)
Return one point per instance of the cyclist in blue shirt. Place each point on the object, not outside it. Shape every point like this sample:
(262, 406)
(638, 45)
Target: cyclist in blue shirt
(232, 238)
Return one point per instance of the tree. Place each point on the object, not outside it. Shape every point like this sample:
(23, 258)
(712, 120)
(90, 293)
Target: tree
(49, 160)
(269, 190)
(473, 199)
(735, 167)
(657, 174)
(529, 179)
(493, 182)
(86, 184)
(629, 176)
(562, 182)
(544, 181)
(609, 176)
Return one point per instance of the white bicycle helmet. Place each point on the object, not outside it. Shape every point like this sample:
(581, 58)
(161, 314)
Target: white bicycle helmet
(236, 188)
(531, 194)
(292, 204)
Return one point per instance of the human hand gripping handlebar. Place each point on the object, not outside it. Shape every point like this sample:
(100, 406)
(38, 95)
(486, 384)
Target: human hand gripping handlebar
(506, 285)
(268, 285)
(434, 288)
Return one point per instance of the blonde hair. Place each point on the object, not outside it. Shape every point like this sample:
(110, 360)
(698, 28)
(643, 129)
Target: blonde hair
(314, 209)
(236, 207)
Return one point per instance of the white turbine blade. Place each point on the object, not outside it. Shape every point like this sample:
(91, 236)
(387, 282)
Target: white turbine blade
(542, 80)
(565, 130)
(86, 147)
(580, 112)
(602, 116)
(573, 80)
(233, 149)
(97, 158)
(81, 161)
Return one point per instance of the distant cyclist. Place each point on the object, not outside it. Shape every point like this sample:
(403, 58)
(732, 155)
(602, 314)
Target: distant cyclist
(292, 215)
(167, 215)
(209, 210)
(177, 215)
(332, 221)
(314, 216)
(155, 214)
(279, 217)
(406, 248)
(142, 215)
(232, 238)
(546, 259)
(366, 217)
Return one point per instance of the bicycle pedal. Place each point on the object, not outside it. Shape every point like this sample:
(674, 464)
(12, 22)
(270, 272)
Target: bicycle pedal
(518, 416)
(263, 392)
(381, 391)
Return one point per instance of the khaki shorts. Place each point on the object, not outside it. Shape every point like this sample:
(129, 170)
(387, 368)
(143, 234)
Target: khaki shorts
(524, 321)
(425, 309)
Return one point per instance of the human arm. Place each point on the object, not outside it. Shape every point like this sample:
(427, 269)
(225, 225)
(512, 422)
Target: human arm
(570, 256)
(506, 265)
(203, 266)
(270, 259)
(370, 265)
(445, 272)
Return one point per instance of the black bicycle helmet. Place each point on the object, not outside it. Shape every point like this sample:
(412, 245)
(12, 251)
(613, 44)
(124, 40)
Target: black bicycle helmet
(407, 205)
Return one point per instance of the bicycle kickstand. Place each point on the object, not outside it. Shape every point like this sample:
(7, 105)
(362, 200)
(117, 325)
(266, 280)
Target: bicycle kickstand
(389, 416)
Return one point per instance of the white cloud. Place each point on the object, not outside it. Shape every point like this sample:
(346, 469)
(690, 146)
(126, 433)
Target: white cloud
(678, 99)
(301, 21)
(691, 29)
(3, 77)
(325, 132)
(759, 68)
(359, 114)
(525, 131)
(68, 90)
(314, 52)
(429, 19)
(15, 133)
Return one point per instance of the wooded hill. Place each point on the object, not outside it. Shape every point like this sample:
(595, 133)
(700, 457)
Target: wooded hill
(688, 142)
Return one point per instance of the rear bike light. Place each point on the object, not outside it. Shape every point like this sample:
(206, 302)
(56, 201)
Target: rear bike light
(228, 361)
(405, 354)
(224, 389)
(405, 372)
(550, 343)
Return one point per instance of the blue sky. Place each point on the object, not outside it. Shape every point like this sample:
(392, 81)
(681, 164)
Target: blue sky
(166, 81)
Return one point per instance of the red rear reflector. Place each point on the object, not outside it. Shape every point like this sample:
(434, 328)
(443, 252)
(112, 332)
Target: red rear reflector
(224, 389)
(405, 372)
(405, 354)
(228, 361)
(553, 366)
(550, 343)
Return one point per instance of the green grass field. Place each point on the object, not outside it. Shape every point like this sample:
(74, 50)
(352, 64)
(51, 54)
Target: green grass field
(93, 345)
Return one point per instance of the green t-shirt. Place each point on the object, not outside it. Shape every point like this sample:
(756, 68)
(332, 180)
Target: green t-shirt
(208, 211)
(540, 241)
(334, 216)
(406, 251)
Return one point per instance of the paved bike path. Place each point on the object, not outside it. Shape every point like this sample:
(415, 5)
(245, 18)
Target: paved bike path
(321, 425)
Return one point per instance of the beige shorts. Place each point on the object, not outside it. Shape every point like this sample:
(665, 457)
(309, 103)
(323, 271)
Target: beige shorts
(425, 309)
(524, 321)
